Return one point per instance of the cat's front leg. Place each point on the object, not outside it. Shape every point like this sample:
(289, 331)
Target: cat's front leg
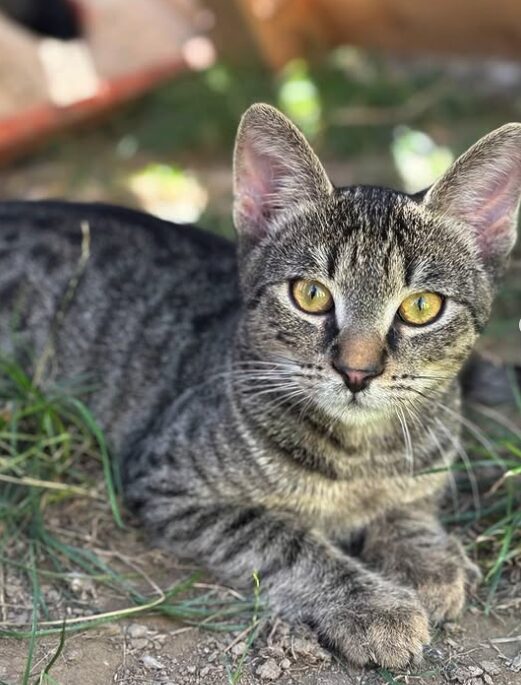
(354, 611)
(411, 547)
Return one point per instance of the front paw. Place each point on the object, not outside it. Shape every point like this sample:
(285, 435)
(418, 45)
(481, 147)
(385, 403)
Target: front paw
(388, 627)
(442, 587)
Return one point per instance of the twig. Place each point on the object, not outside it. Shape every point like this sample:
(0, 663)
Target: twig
(505, 640)
(2, 592)
(48, 484)
(48, 350)
(417, 105)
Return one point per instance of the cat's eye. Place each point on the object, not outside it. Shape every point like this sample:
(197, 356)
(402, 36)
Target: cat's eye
(311, 296)
(421, 308)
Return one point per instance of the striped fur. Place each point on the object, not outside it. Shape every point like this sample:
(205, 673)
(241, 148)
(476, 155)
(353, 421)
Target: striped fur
(239, 443)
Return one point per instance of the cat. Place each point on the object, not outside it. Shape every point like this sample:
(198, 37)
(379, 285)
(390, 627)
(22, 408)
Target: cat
(288, 407)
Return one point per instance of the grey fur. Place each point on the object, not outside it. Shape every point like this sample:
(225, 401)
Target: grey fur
(241, 447)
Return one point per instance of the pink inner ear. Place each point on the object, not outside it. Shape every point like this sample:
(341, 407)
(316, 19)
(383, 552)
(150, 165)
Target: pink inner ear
(252, 189)
(257, 184)
(492, 217)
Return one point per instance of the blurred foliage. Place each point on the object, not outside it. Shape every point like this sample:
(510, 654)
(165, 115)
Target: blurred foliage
(170, 191)
(418, 159)
(382, 121)
(198, 112)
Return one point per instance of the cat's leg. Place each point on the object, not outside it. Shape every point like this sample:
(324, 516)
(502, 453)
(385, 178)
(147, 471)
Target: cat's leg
(411, 547)
(354, 611)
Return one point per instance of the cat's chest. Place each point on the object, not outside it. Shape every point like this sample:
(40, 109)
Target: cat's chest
(340, 505)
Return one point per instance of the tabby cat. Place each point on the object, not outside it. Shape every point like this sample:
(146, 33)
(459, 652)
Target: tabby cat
(286, 408)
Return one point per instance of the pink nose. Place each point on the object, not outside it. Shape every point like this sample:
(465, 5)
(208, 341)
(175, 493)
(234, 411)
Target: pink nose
(357, 379)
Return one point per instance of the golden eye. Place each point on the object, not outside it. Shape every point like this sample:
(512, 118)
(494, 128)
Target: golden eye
(311, 296)
(420, 308)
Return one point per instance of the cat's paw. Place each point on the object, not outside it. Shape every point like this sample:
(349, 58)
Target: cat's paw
(389, 629)
(443, 601)
(443, 592)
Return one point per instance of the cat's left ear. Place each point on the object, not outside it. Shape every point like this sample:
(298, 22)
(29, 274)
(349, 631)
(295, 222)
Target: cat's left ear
(275, 171)
(482, 191)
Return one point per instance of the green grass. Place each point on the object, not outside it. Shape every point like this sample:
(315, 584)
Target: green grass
(234, 675)
(51, 453)
(493, 523)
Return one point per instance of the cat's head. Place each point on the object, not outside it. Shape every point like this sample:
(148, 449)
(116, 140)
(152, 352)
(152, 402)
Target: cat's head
(365, 299)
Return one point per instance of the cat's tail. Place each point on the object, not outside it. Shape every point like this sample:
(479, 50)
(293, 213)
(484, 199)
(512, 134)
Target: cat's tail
(488, 381)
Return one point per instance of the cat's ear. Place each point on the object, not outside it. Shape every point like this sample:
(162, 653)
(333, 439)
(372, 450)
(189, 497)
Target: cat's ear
(275, 170)
(482, 190)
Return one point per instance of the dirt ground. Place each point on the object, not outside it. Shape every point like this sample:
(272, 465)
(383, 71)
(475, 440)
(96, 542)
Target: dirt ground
(478, 650)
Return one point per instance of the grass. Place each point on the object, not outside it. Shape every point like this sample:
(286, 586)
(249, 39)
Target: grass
(498, 539)
(52, 452)
(490, 483)
(251, 632)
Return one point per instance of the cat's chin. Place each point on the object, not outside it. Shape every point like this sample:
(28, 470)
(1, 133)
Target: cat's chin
(363, 414)
(358, 410)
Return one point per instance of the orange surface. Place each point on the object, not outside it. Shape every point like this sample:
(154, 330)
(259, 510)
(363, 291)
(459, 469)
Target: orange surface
(131, 52)
(292, 28)
(30, 125)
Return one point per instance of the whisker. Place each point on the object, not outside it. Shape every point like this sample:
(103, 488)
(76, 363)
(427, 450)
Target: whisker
(409, 455)
(428, 377)
(450, 474)
(498, 418)
(466, 461)
(457, 443)
(476, 432)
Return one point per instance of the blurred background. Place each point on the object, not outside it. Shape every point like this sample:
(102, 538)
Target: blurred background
(137, 101)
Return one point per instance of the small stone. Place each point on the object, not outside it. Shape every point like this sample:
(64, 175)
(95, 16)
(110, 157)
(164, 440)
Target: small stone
(139, 643)
(137, 630)
(460, 674)
(302, 646)
(269, 670)
(81, 585)
(490, 667)
(239, 648)
(150, 661)
(160, 639)
(515, 664)
(488, 679)
(475, 671)
(285, 664)
(204, 671)
(191, 669)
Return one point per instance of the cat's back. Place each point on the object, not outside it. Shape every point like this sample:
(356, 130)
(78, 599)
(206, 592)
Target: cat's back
(138, 301)
(54, 228)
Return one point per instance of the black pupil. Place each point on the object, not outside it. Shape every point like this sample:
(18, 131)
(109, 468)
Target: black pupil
(313, 292)
(422, 304)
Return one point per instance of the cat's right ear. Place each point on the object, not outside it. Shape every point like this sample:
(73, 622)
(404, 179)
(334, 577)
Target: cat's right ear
(275, 171)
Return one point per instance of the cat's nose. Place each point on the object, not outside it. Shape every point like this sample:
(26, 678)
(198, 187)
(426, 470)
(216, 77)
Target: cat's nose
(357, 379)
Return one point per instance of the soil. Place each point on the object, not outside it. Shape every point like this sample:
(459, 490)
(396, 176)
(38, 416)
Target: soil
(478, 650)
